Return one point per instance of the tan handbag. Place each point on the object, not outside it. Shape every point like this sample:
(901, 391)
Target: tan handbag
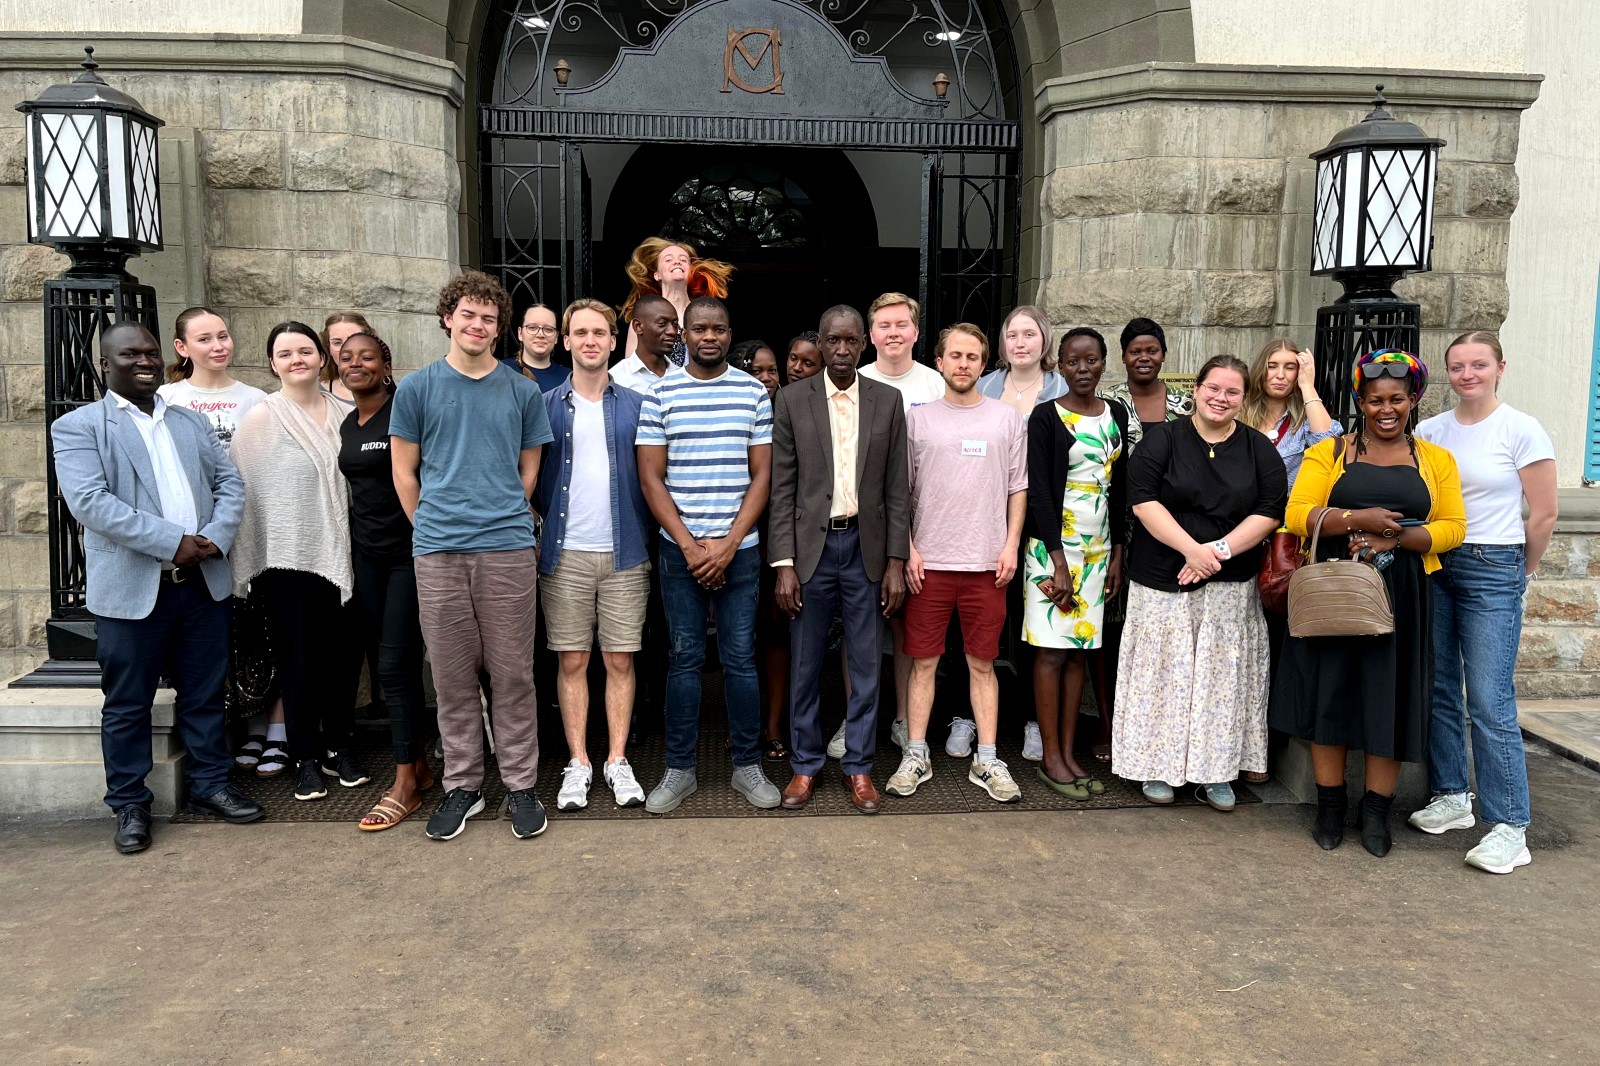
(1338, 598)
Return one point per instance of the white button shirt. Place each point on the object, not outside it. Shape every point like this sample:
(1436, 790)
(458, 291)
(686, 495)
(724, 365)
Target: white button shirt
(172, 484)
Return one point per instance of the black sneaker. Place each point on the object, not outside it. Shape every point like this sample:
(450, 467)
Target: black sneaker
(308, 784)
(340, 764)
(451, 817)
(527, 813)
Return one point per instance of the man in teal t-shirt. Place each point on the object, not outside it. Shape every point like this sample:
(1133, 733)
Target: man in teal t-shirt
(467, 434)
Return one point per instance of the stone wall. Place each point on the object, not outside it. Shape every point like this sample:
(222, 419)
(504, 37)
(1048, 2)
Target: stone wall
(299, 176)
(1184, 193)
(1560, 653)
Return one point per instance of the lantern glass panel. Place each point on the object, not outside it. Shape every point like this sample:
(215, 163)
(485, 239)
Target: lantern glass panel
(117, 174)
(1395, 207)
(146, 186)
(71, 170)
(1330, 209)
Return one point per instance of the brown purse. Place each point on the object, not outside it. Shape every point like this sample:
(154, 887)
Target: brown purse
(1338, 598)
(1278, 564)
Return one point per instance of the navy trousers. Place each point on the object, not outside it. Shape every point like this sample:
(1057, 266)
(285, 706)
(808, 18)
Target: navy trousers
(840, 581)
(186, 634)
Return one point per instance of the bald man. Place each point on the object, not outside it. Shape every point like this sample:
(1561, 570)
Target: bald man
(159, 501)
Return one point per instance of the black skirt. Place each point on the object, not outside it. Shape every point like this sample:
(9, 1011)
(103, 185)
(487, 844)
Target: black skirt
(1370, 693)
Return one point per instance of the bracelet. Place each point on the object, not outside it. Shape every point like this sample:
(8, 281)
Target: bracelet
(1314, 399)
(1222, 549)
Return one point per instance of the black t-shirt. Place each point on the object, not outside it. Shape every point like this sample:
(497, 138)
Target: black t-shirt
(378, 524)
(1208, 497)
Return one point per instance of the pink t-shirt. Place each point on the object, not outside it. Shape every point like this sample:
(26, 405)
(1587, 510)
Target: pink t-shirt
(965, 463)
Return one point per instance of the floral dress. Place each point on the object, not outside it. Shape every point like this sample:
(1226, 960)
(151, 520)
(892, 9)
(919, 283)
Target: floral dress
(1085, 540)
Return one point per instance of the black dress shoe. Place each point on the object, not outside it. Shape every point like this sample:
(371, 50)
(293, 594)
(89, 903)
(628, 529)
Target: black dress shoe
(133, 829)
(229, 804)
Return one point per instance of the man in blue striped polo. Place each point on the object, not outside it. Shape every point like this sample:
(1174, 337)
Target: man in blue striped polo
(705, 464)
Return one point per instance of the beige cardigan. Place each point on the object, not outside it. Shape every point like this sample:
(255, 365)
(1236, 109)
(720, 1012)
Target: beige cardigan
(296, 503)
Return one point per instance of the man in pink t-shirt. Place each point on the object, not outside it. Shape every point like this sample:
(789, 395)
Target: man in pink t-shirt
(969, 482)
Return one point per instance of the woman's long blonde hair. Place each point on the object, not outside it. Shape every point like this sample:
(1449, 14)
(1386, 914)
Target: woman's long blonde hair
(1255, 403)
(707, 277)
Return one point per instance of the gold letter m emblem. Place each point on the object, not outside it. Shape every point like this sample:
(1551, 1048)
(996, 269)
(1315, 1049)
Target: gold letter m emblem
(772, 42)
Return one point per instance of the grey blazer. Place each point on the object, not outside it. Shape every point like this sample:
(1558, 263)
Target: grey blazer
(802, 476)
(109, 485)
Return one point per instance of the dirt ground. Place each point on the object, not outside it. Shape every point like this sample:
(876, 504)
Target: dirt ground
(1160, 935)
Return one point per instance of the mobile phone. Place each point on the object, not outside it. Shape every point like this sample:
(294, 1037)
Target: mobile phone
(1412, 522)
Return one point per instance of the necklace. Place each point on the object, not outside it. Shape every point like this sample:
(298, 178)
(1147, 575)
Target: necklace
(1211, 447)
(1019, 393)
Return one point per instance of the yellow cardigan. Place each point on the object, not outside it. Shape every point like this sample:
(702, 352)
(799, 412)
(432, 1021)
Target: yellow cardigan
(1324, 465)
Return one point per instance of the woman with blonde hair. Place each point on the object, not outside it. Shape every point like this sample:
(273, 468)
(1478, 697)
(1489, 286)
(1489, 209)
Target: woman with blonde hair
(1282, 402)
(336, 329)
(1026, 375)
(659, 267)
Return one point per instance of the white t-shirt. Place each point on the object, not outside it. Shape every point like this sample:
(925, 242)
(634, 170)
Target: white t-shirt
(223, 408)
(589, 498)
(920, 384)
(1490, 455)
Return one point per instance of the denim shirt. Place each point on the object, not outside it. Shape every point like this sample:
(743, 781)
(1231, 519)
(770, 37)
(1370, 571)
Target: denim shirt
(993, 385)
(1292, 448)
(631, 521)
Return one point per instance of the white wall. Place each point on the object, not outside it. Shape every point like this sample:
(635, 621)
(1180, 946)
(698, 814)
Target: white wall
(152, 16)
(1416, 34)
(1555, 233)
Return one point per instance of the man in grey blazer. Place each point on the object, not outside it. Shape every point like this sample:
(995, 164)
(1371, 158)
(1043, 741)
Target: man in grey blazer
(159, 501)
(839, 534)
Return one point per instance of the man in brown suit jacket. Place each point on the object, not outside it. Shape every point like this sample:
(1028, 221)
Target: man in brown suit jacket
(839, 534)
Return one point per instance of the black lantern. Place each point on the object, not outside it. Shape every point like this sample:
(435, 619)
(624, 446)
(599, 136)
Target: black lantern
(94, 193)
(1373, 224)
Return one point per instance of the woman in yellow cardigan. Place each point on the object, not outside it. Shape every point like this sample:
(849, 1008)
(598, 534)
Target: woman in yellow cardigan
(1393, 501)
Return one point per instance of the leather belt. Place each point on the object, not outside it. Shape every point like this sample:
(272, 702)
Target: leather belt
(837, 524)
(181, 574)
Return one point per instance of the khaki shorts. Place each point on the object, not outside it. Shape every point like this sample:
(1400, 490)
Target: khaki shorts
(585, 593)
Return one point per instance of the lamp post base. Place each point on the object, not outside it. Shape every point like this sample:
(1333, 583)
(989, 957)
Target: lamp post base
(1350, 329)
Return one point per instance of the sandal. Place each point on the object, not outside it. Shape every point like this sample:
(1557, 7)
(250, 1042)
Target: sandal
(777, 751)
(1257, 777)
(250, 751)
(391, 812)
(274, 760)
(1102, 752)
(1093, 786)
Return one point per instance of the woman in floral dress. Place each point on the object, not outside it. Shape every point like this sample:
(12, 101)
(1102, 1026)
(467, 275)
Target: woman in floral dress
(1072, 558)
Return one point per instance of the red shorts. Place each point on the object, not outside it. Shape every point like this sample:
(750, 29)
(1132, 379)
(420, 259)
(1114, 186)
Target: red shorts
(981, 607)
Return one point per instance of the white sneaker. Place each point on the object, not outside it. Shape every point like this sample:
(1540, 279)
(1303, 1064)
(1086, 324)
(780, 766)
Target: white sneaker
(914, 770)
(1503, 849)
(900, 733)
(963, 731)
(575, 779)
(619, 778)
(995, 778)
(836, 745)
(1453, 810)
(1032, 743)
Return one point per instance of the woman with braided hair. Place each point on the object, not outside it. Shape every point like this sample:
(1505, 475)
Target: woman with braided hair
(1385, 497)
(659, 267)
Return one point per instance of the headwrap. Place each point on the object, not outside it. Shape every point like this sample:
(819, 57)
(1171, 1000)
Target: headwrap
(1416, 369)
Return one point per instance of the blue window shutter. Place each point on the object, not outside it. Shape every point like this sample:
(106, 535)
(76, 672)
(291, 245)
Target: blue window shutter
(1591, 447)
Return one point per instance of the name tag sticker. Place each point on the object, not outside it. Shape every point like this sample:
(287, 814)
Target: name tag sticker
(975, 447)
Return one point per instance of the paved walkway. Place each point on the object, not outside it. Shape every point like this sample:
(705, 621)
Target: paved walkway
(1570, 727)
(1145, 935)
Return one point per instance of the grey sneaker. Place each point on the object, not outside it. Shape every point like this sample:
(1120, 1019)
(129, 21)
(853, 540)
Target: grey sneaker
(624, 786)
(575, 780)
(1503, 849)
(915, 769)
(994, 777)
(963, 731)
(675, 787)
(1158, 792)
(900, 733)
(1032, 743)
(1453, 810)
(753, 785)
(1219, 796)
(836, 745)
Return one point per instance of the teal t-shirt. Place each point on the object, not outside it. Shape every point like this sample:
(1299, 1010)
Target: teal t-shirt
(472, 434)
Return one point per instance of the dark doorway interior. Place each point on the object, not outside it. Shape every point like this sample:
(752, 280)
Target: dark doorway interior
(797, 224)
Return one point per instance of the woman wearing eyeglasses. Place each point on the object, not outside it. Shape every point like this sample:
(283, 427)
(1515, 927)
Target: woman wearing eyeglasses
(1192, 695)
(1390, 499)
(536, 343)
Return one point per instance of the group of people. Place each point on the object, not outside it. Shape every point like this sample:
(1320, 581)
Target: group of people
(1116, 534)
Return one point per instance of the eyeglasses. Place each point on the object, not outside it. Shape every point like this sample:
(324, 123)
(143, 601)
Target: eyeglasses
(541, 331)
(1226, 394)
(1374, 371)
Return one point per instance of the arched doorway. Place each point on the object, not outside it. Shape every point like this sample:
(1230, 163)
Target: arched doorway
(584, 103)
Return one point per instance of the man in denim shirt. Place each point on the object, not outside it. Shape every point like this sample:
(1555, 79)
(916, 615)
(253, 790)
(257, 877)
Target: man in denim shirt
(592, 555)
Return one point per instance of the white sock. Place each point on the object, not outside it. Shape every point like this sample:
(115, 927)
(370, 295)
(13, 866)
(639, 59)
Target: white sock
(278, 733)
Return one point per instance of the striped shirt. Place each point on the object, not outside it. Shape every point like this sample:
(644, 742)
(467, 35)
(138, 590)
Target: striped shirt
(708, 429)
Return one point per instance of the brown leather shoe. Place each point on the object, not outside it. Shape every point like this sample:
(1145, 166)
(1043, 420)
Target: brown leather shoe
(863, 793)
(797, 793)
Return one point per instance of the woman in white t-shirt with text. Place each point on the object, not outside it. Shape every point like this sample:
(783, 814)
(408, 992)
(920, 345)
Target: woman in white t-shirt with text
(1504, 456)
(199, 378)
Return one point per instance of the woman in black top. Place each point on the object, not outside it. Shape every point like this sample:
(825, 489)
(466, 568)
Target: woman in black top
(1192, 693)
(386, 582)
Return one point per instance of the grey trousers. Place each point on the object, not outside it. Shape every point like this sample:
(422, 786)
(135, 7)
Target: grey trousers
(478, 611)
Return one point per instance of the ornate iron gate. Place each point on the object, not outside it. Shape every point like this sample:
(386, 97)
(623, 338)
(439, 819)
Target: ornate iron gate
(757, 72)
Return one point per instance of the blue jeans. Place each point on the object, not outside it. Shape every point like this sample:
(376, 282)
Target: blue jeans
(1477, 625)
(687, 607)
